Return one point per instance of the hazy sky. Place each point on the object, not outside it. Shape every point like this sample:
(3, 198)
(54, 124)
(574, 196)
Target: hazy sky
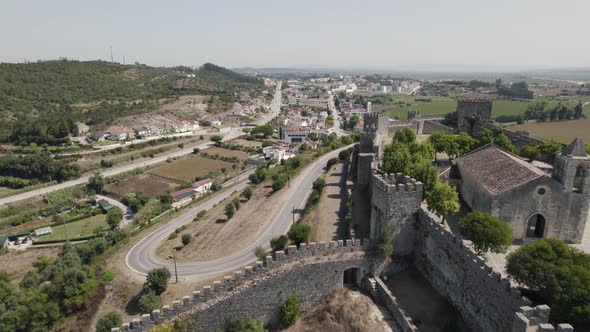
(341, 33)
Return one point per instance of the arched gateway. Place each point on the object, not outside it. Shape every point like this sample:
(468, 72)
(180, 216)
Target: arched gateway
(535, 226)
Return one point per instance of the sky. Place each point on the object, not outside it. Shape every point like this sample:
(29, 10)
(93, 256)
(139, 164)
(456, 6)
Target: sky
(375, 34)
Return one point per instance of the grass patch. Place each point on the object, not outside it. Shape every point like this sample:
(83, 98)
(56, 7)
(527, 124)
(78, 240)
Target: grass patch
(77, 229)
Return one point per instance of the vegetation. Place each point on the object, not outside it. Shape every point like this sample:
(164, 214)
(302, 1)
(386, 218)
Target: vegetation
(516, 90)
(260, 254)
(384, 245)
(443, 200)
(108, 320)
(135, 201)
(289, 311)
(114, 217)
(298, 233)
(245, 324)
(148, 302)
(557, 275)
(186, 239)
(157, 280)
(486, 232)
(262, 130)
(558, 112)
(279, 181)
(230, 210)
(40, 167)
(279, 243)
(247, 193)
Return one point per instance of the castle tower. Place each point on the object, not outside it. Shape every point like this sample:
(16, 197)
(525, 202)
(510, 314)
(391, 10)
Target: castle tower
(472, 113)
(375, 127)
(572, 168)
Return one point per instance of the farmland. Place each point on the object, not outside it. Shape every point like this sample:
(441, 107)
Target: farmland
(246, 143)
(77, 229)
(564, 131)
(187, 169)
(227, 153)
(146, 183)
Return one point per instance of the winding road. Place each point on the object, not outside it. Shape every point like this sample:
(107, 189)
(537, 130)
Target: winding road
(141, 258)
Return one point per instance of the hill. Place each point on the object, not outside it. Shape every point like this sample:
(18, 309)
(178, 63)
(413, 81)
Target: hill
(36, 96)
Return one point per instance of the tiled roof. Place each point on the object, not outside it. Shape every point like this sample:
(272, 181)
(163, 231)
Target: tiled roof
(496, 170)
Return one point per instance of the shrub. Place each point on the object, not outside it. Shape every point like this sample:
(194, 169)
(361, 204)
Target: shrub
(148, 302)
(245, 324)
(332, 162)
(230, 210)
(279, 242)
(299, 233)
(172, 236)
(486, 232)
(186, 238)
(289, 311)
(384, 245)
(260, 254)
(279, 181)
(247, 193)
(108, 320)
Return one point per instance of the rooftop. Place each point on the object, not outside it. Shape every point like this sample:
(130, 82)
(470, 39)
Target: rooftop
(496, 170)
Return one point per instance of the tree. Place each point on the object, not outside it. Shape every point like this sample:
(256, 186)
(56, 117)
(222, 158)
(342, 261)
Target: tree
(486, 232)
(442, 200)
(186, 239)
(263, 130)
(108, 320)
(279, 181)
(166, 199)
(157, 280)
(332, 161)
(114, 217)
(557, 274)
(260, 253)
(384, 245)
(437, 139)
(406, 135)
(397, 158)
(245, 324)
(230, 210)
(298, 233)
(148, 302)
(216, 138)
(236, 203)
(247, 193)
(96, 183)
(344, 155)
(279, 243)
(289, 310)
(530, 151)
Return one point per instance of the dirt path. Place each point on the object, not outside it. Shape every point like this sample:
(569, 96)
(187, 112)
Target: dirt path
(326, 220)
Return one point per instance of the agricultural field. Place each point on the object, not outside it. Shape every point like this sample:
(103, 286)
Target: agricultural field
(227, 153)
(187, 169)
(19, 213)
(246, 143)
(148, 184)
(564, 131)
(78, 229)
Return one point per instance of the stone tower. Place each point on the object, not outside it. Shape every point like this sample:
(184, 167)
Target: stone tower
(375, 130)
(472, 113)
(395, 200)
(572, 168)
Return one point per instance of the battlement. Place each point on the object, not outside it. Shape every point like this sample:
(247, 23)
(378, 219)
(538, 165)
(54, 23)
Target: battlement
(244, 279)
(370, 115)
(474, 101)
(528, 318)
(396, 183)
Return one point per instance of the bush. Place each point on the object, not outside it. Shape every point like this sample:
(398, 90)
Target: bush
(299, 233)
(260, 254)
(247, 193)
(279, 243)
(279, 181)
(157, 280)
(148, 302)
(108, 320)
(486, 232)
(384, 245)
(332, 162)
(172, 236)
(289, 311)
(245, 324)
(186, 238)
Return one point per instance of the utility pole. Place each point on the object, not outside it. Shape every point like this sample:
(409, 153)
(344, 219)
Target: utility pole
(123, 60)
(175, 270)
(111, 53)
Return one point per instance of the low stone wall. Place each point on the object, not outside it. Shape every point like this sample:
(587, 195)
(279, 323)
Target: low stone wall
(385, 297)
(517, 138)
(430, 127)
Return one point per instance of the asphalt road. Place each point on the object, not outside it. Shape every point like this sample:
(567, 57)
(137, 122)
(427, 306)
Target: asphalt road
(141, 258)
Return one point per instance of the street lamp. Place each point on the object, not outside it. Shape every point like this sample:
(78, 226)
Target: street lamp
(175, 270)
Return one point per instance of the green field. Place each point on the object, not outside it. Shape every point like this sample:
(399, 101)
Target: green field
(445, 105)
(77, 229)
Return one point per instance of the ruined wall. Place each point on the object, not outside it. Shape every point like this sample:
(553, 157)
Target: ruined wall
(519, 139)
(394, 201)
(472, 114)
(385, 297)
(430, 127)
(486, 301)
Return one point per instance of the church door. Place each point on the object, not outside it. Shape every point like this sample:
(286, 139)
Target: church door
(535, 226)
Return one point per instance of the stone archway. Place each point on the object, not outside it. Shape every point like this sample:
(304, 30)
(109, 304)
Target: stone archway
(351, 276)
(535, 226)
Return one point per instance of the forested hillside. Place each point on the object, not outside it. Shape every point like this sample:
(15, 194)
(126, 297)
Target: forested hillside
(44, 98)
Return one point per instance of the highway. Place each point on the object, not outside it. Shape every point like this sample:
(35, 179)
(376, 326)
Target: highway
(141, 258)
(275, 107)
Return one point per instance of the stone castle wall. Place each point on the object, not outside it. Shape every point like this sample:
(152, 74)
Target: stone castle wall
(430, 127)
(519, 139)
(472, 113)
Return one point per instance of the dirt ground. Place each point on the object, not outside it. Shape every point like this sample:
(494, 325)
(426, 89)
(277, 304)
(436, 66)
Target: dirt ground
(344, 310)
(214, 236)
(564, 131)
(149, 184)
(326, 219)
(246, 143)
(227, 153)
(191, 107)
(187, 169)
(18, 263)
(428, 310)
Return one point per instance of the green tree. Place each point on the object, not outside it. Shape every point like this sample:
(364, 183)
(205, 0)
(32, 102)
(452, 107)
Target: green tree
(437, 139)
(247, 193)
(397, 158)
(279, 181)
(230, 210)
(263, 130)
(96, 183)
(279, 243)
(186, 239)
(486, 232)
(289, 311)
(114, 217)
(298, 233)
(108, 320)
(443, 200)
(166, 199)
(148, 302)
(216, 139)
(260, 253)
(245, 324)
(157, 280)
(406, 136)
(559, 275)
